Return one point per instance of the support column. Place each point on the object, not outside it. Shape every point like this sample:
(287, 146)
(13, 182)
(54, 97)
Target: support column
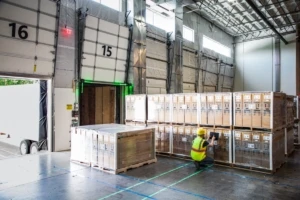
(176, 76)
(298, 61)
(277, 65)
(138, 15)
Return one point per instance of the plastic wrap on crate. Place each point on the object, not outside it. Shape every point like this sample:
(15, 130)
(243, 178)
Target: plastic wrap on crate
(258, 149)
(112, 146)
(136, 107)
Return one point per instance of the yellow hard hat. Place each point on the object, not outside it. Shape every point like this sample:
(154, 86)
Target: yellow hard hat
(201, 131)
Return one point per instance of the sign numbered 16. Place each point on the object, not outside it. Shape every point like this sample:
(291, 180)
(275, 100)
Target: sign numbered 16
(22, 31)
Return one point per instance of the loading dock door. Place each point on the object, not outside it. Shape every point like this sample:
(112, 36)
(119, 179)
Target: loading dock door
(98, 105)
(27, 37)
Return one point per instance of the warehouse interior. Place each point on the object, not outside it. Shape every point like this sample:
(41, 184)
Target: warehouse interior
(130, 85)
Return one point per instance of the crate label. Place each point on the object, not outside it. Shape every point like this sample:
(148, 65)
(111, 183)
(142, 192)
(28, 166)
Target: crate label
(250, 146)
(227, 98)
(256, 97)
(238, 97)
(246, 136)
(252, 106)
(184, 107)
(256, 137)
(247, 97)
(237, 135)
(112, 139)
(266, 137)
(214, 107)
(158, 106)
(210, 98)
(184, 139)
(215, 142)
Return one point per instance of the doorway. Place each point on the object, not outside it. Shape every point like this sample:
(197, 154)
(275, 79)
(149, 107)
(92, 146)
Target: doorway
(100, 104)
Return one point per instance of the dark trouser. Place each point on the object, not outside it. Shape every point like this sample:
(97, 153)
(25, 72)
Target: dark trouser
(203, 163)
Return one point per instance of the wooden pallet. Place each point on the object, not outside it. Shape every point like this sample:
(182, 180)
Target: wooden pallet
(256, 169)
(88, 164)
(125, 169)
(257, 129)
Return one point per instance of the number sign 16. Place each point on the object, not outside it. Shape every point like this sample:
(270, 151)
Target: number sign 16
(22, 33)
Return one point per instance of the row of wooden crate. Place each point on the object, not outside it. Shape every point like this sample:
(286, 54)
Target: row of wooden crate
(258, 149)
(269, 110)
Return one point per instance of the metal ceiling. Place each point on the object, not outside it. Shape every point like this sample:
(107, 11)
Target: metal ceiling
(250, 19)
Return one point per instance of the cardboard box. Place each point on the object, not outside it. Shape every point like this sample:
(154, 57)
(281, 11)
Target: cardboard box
(211, 107)
(247, 110)
(203, 109)
(218, 109)
(257, 110)
(238, 107)
(227, 110)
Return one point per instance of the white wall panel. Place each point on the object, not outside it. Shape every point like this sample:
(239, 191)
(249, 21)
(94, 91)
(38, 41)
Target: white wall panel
(90, 34)
(91, 22)
(156, 69)
(210, 79)
(108, 27)
(187, 87)
(29, 4)
(47, 37)
(254, 65)
(45, 52)
(105, 63)
(18, 14)
(121, 65)
(124, 32)
(48, 7)
(63, 117)
(87, 73)
(89, 47)
(88, 60)
(122, 54)
(47, 22)
(105, 38)
(155, 83)
(15, 47)
(123, 43)
(119, 77)
(288, 66)
(104, 75)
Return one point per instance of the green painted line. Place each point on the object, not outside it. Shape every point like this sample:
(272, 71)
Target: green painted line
(145, 181)
(177, 182)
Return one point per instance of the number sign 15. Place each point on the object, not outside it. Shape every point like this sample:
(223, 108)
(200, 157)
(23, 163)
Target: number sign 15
(107, 50)
(23, 34)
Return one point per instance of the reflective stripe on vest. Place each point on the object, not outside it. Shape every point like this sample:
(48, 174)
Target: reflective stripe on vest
(198, 152)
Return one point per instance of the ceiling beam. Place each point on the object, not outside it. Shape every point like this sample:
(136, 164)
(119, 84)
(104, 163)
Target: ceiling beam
(259, 13)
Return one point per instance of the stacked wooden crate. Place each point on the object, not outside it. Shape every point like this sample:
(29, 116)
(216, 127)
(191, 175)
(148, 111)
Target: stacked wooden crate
(113, 148)
(259, 123)
(289, 129)
(136, 110)
(215, 109)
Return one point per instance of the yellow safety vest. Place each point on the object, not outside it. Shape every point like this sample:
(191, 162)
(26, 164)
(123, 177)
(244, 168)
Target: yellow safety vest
(198, 152)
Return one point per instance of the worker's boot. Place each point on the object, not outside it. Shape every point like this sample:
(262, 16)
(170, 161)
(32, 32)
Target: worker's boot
(196, 165)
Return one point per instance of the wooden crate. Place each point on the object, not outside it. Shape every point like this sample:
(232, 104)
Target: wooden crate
(136, 107)
(259, 110)
(258, 149)
(289, 140)
(119, 147)
(290, 110)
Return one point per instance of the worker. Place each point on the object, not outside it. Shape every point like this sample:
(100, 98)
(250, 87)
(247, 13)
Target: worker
(198, 152)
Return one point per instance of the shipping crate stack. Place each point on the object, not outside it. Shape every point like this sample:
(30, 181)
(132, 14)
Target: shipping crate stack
(216, 116)
(296, 121)
(159, 109)
(136, 112)
(259, 123)
(289, 129)
(113, 148)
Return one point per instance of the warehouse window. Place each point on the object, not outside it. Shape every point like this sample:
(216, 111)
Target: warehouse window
(188, 33)
(115, 4)
(216, 46)
(159, 20)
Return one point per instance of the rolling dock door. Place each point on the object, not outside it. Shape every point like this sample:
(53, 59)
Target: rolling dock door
(28, 43)
(156, 61)
(103, 65)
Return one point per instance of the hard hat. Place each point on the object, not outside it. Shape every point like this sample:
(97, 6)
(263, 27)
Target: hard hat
(201, 131)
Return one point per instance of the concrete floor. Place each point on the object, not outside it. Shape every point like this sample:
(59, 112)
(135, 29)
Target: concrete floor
(8, 151)
(52, 176)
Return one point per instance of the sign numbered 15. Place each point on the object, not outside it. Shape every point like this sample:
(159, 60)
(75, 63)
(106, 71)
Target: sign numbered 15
(22, 31)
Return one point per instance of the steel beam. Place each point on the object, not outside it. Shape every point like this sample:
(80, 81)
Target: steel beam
(259, 13)
(277, 65)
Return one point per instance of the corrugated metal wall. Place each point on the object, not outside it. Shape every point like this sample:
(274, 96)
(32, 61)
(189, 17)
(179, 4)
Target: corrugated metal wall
(156, 60)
